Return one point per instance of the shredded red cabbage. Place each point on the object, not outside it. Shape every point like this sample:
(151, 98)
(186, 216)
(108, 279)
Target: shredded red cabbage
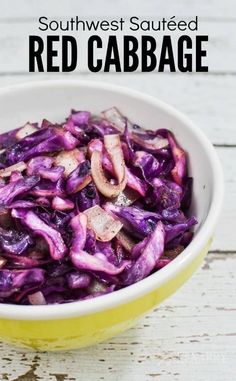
(89, 206)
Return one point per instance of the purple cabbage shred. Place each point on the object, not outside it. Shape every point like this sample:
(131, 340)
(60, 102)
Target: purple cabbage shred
(51, 251)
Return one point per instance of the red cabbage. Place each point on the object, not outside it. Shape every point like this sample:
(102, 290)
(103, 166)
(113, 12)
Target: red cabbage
(78, 280)
(88, 197)
(97, 262)
(13, 241)
(148, 164)
(39, 163)
(11, 280)
(68, 233)
(79, 178)
(79, 118)
(150, 254)
(45, 140)
(47, 188)
(15, 188)
(52, 174)
(53, 238)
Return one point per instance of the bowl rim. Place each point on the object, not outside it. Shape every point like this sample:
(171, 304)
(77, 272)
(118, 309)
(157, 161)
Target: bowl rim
(152, 282)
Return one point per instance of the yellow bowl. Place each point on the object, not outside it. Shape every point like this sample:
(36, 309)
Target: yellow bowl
(79, 324)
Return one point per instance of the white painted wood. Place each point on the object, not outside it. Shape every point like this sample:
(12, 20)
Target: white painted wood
(189, 337)
(192, 335)
(225, 238)
(14, 38)
(32, 8)
(209, 100)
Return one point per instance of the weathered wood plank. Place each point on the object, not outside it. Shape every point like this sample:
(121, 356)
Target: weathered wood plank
(225, 231)
(34, 8)
(190, 336)
(221, 54)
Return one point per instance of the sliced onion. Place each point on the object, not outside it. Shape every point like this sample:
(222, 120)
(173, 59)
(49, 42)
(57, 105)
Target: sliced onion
(103, 224)
(100, 180)
(151, 144)
(115, 152)
(126, 197)
(3, 261)
(37, 298)
(28, 129)
(115, 118)
(69, 160)
(20, 167)
(133, 181)
(125, 240)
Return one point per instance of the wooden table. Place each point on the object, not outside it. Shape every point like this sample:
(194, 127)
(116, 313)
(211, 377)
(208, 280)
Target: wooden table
(192, 336)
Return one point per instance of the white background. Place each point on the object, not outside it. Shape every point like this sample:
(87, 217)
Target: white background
(192, 335)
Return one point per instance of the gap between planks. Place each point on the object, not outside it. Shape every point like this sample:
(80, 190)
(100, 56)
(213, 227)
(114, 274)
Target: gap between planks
(230, 252)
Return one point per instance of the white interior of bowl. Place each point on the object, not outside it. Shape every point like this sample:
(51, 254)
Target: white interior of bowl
(53, 101)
